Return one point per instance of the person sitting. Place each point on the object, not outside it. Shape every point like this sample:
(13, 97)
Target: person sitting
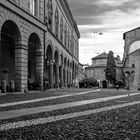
(117, 86)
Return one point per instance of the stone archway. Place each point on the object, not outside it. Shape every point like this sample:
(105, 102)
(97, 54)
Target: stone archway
(127, 78)
(73, 72)
(104, 84)
(9, 54)
(56, 70)
(131, 81)
(65, 72)
(68, 73)
(34, 60)
(61, 71)
(49, 66)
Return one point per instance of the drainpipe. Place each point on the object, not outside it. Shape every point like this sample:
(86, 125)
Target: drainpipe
(44, 45)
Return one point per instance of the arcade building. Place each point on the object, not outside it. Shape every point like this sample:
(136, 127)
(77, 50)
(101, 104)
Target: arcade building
(39, 41)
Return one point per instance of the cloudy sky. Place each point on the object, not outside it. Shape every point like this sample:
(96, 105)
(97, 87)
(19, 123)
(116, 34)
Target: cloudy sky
(111, 18)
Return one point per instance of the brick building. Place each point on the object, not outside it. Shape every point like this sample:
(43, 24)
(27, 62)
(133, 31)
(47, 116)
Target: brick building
(38, 40)
(131, 65)
(98, 68)
(81, 73)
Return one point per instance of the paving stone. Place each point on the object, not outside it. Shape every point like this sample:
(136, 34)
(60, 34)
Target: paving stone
(61, 117)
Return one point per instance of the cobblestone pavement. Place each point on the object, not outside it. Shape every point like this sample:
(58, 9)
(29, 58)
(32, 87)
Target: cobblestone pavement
(32, 95)
(60, 117)
(119, 122)
(44, 99)
(34, 110)
(51, 100)
(77, 125)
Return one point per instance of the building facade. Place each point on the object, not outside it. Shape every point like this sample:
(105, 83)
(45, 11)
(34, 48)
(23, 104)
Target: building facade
(98, 69)
(38, 42)
(131, 66)
(81, 73)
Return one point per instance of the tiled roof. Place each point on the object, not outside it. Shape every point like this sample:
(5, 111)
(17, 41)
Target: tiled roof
(102, 55)
(96, 66)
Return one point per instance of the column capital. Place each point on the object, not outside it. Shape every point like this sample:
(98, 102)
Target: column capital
(48, 63)
(18, 39)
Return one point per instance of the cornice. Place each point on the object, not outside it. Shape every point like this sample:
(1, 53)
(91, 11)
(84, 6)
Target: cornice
(68, 12)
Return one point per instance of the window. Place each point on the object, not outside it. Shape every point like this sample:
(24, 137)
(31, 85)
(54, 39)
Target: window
(65, 33)
(68, 40)
(50, 14)
(133, 65)
(33, 7)
(71, 43)
(61, 29)
(56, 22)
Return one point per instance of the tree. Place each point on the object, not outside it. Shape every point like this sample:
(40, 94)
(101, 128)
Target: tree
(118, 58)
(88, 82)
(111, 68)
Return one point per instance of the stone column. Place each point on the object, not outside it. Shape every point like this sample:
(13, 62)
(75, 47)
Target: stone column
(21, 67)
(51, 74)
(0, 59)
(39, 68)
(62, 80)
(48, 70)
(65, 77)
(57, 75)
(71, 76)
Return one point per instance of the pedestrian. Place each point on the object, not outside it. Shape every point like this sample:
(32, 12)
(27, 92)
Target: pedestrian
(117, 86)
(128, 88)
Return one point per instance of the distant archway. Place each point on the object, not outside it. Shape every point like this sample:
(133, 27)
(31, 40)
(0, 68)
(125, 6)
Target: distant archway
(134, 46)
(49, 67)
(104, 84)
(33, 61)
(55, 69)
(61, 71)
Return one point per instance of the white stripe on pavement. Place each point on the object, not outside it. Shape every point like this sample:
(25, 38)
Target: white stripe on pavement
(34, 110)
(44, 99)
(38, 121)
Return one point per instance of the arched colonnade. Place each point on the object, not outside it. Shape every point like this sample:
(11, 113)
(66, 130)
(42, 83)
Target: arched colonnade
(23, 61)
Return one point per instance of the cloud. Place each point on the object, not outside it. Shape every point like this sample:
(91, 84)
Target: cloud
(112, 17)
(89, 11)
